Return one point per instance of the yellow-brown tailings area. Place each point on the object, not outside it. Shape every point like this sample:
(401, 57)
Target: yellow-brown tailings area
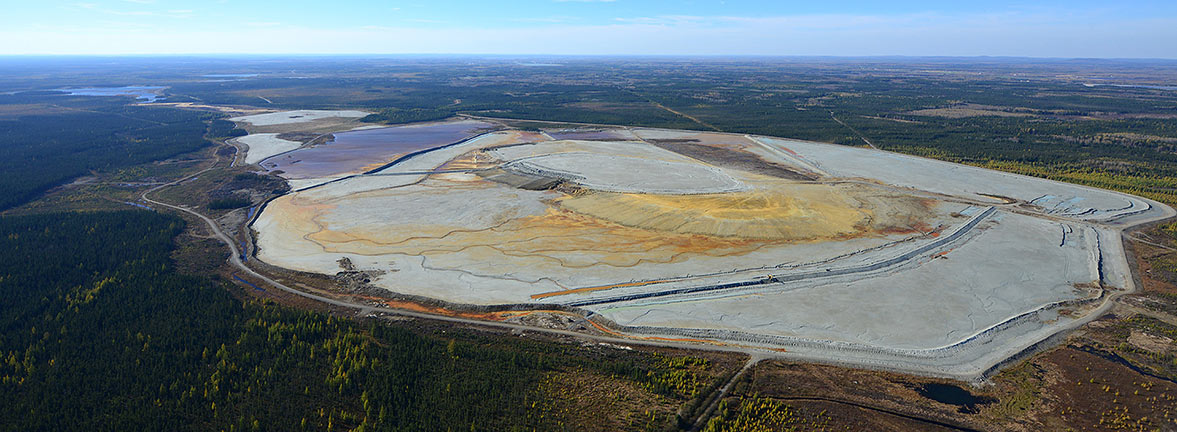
(781, 212)
(562, 238)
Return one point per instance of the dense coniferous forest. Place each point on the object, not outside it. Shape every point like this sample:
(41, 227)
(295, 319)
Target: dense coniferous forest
(1039, 117)
(39, 151)
(97, 332)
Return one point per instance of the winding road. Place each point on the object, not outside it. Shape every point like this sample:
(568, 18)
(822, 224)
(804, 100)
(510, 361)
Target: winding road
(364, 309)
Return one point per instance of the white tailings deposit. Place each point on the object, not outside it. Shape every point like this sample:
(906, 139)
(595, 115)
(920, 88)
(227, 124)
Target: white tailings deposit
(804, 250)
(260, 146)
(611, 167)
(299, 116)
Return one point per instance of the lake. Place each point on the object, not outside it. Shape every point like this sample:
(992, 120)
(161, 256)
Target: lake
(143, 93)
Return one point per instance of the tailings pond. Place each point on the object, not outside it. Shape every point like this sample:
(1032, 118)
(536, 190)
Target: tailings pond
(359, 151)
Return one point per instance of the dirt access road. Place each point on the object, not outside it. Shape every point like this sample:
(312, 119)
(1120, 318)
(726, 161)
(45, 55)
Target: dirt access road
(365, 309)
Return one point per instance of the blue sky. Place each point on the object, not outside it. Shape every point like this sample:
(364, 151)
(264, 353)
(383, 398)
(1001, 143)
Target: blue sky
(1077, 28)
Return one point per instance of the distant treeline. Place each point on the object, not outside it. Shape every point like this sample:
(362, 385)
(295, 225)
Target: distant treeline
(1051, 129)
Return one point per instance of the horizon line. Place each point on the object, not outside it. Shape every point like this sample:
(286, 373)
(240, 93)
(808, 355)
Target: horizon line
(520, 55)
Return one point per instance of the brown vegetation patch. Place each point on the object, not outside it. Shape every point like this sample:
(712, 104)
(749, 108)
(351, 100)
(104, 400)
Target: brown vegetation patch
(1076, 387)
(616, 404)
(852, 399)
(1149, 342)
(16, 111)
(1086, 391)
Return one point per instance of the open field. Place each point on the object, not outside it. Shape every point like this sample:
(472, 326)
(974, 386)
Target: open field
(860, 256)
(260, 146)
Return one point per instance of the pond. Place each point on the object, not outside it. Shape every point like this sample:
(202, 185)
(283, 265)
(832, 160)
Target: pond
(953, 395)
(363, 150)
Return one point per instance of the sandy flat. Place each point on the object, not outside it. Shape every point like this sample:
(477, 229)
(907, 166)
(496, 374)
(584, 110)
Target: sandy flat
(299, 116)
(1054, 198)
(264, 145)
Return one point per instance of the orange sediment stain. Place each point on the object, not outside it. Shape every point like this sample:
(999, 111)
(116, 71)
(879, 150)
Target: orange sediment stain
(375, 165)
(605, 330)
(594, 288)
(659, 338)
(437, 310)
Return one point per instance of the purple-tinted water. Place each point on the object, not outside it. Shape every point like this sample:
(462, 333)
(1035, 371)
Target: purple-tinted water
(362, 150)
(612, 134)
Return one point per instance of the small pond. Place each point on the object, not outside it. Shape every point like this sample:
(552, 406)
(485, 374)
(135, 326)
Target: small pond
(965, 401)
